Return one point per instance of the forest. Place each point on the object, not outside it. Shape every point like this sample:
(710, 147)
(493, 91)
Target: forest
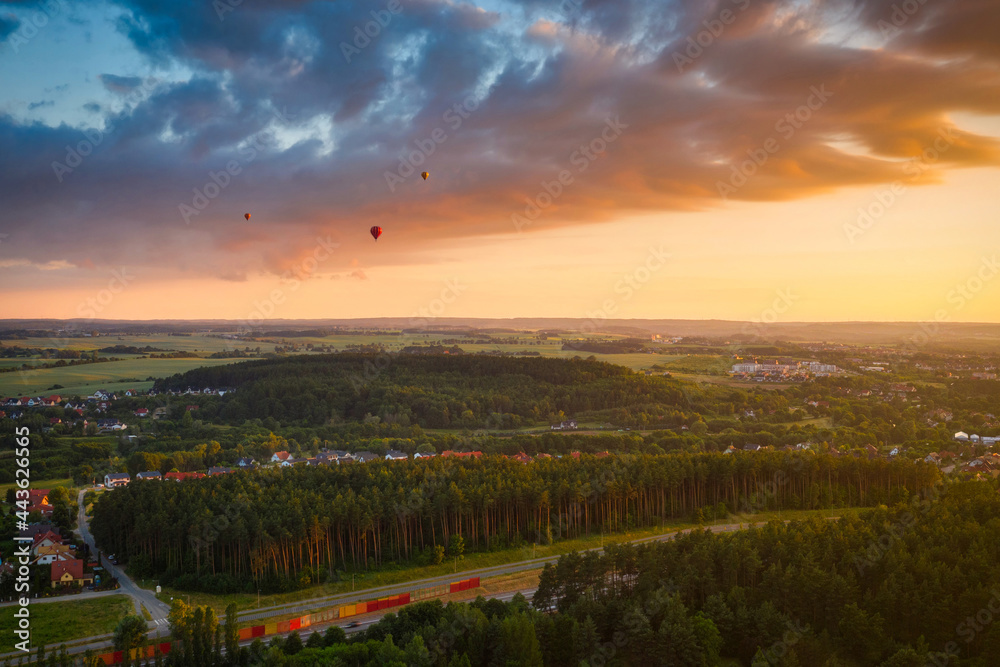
(912, 585)
(432, 391)
(286, 528)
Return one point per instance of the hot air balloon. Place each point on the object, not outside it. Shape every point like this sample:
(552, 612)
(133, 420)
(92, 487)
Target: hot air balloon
(425, 174)
(376, 232)
(246, 215)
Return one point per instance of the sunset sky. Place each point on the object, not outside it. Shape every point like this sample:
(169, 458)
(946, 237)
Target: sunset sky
(115, 117)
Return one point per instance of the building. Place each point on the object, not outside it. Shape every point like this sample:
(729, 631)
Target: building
(69, 573)
(245, 463)
(364, 457)
(396, 455)
(280, 457)
(114, 479)
(149, 475)
(212, 472)
(181, 476)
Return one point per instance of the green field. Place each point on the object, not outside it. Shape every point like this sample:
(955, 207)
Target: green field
(85, 379)
(39, 484)
(53, 623)
(89, 377)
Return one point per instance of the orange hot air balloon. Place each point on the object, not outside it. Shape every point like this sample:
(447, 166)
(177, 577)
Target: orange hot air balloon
(425, 174)
(376, 232)
(246, 215)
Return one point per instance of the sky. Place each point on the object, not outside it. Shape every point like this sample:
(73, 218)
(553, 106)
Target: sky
(775, 160)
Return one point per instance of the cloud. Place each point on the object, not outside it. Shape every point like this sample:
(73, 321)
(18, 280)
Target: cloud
(358, 274)
(120, 84)
(39, 105)
(8, 24)
(520, 93)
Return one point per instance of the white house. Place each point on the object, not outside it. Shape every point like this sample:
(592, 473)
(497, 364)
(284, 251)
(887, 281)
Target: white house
(114, 479)
(961, 435)
(396, 455)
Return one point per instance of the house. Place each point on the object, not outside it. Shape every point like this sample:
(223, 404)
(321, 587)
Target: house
(961, 435)
(116, 479)
(105, 425)
(567, 425)
(40, 529)
(396, 455)
(872, 451)
(543, 455)
(326, 458)
(69, 573)
(280, 457)
(141, 412)
(460, 455)
(192, 408)
(53, 553)
(212, 472)
(895, 451)
(52, 401)
(149, 475)
(932, 458)
(730, 450)
(38, 501)
(522, 458)
(181, 476)
(751, 448)
(364, 457)
(245, 463)
(44, 540)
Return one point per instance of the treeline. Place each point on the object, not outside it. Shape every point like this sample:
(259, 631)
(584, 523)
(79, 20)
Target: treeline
(280, 529)
(433, 391)
(907, 587)
(618, 346)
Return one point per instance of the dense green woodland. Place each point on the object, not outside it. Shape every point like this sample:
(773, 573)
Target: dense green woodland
(281, 529)
(914, 585)
(439, 391)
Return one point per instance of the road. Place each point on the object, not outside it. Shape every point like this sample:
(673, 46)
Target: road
(160, 627)
(305, 606)
(158, 610)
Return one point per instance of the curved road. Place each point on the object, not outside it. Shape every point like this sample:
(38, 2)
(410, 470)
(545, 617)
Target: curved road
(157, 609)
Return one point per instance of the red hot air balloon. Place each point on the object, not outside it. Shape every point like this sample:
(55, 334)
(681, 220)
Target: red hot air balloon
(424, 175)
(376, 232)
(246, 215)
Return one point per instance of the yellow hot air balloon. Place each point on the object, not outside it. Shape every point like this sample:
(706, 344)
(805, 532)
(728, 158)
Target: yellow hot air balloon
(425, 174)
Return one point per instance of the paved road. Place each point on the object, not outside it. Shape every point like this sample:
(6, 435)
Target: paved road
(161, 629)
(158, 610)
(305, 606)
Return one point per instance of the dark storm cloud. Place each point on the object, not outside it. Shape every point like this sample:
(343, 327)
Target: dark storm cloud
(310, 117)
(8, 24)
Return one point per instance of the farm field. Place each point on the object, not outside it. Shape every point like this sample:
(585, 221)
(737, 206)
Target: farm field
(56, 622)
(86, 378)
